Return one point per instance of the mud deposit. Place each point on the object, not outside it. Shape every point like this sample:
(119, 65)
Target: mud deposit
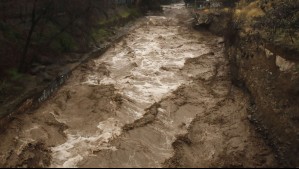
(161, 97)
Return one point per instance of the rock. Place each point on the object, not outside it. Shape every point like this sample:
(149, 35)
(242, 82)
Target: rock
(64, 71)
(220, 40)
(203, 20)
(249, 117)
(284, 65)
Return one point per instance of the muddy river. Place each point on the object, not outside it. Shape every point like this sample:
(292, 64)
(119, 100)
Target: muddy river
(161, 97)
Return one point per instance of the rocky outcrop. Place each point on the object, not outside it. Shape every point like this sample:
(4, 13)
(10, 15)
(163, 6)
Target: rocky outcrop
(216, 22)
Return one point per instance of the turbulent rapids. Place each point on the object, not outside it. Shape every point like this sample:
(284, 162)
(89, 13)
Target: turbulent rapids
(161, 97)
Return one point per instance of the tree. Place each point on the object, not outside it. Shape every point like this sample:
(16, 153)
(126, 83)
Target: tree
(37, 15)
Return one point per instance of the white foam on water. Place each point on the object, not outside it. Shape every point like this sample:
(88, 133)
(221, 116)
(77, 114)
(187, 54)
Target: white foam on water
(140, 87)
(69, 154)
(92, 80)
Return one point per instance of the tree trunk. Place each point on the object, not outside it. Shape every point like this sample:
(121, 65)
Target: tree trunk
(22, 65)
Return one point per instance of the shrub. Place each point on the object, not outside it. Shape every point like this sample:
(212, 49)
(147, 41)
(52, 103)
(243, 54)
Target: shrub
(64, 43)
(14, 74)
(100, 34)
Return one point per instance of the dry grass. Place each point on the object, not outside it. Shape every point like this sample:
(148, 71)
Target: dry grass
(250, 11)
(246, 13)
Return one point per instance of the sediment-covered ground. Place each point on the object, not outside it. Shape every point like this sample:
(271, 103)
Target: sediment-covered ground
(161, 97)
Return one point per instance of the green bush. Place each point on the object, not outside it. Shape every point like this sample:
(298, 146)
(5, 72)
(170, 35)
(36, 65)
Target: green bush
(109, 21)
(135, 12)
(64, 43)
(101, 34)
(14, 74)
(125, 14)
(281, 19)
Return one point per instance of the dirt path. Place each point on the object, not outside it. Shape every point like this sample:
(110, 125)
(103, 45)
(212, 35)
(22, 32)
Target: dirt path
(161, 97)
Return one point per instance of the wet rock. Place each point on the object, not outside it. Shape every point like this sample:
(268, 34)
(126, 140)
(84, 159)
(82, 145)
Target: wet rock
(220, 41)
(249, 117)
(64, 72)
(203, 20)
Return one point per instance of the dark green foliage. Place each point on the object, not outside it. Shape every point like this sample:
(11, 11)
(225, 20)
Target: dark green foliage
(31, 28)
(281, 20)
(14, 74)
(64, 43)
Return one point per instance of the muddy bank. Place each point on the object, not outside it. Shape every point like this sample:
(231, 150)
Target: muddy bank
(269, 74)
(221, 134)
(222, 137)
(273, 83)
